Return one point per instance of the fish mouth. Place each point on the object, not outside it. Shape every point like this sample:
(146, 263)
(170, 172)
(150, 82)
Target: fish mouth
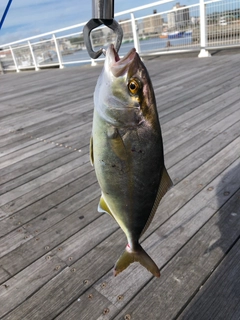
(117, 65)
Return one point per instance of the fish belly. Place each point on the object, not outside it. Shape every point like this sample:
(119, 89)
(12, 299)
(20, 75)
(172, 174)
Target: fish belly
(128, 164)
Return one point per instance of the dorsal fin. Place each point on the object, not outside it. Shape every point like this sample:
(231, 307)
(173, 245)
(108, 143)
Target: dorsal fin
(165, 185)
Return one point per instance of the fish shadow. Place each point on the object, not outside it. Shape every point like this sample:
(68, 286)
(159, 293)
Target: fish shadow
(220, 290)
(228, 212)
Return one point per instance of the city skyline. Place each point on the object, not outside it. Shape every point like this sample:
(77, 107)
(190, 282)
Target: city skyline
(32, 17)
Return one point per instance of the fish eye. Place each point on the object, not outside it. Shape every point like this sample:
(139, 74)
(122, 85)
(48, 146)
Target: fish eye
(134, 86)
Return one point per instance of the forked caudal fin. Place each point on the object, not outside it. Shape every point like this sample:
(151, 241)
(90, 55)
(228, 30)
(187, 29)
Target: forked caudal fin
(138, 255)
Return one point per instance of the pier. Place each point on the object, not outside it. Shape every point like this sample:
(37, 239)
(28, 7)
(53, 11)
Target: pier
(57, 252)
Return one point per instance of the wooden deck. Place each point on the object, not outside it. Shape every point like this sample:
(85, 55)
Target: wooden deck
(57, 252)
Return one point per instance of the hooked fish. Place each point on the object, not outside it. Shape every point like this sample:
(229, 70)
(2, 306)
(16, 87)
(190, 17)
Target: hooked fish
(126, 150)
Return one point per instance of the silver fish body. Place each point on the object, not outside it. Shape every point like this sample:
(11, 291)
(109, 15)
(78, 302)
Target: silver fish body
(127, 151)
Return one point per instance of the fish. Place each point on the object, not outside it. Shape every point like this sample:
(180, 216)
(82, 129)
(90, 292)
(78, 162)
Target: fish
(126, 150)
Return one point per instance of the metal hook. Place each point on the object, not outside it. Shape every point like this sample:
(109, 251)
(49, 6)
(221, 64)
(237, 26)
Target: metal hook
(94, 23)
(102, 13)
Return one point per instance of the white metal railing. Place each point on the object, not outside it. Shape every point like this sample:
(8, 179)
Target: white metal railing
(200, 27)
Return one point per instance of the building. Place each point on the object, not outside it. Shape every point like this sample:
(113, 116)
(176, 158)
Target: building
(179, 17)
(152, 24)
(127, 28)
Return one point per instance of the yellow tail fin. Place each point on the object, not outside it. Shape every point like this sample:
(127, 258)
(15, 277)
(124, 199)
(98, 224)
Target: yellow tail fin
(138, 255)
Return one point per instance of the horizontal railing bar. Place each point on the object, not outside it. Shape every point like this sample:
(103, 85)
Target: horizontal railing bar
(45, 34)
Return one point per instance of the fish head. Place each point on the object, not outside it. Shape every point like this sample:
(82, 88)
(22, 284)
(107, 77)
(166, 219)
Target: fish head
(124, 95)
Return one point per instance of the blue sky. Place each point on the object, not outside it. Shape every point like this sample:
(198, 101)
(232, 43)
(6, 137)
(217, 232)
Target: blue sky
(32, 17)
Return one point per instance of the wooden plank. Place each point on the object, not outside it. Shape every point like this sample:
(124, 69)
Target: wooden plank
(101, 228)
(61, 211)
(192, 101)
(188, 188)
(63, 134)
(189, 80)
(26, 142)
(219, 296)
(8, 112)
(13, 240)
(31, 162)
(3, 275)
(14, 123)
(194, 116)
(31, 93)
(44, 213)
(91, 305)
(35, 129)
(30, 168)
(49, 237)
(17, 140)
(198, 151)
(24, 153)
(25, 283)
(198, 73)
(51, 299)
(43, 179)
(69, 157)
(57, 187)
(215, 124)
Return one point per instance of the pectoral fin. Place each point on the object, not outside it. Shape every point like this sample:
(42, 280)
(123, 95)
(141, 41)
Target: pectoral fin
(165, 185)
(116, 143)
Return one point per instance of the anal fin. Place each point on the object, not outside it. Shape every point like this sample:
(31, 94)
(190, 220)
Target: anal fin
(103, 207)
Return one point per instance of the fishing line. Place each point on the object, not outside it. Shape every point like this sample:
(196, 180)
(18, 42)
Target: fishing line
(5, 13)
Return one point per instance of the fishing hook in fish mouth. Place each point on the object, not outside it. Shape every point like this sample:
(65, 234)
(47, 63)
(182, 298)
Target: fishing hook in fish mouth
(94, 23)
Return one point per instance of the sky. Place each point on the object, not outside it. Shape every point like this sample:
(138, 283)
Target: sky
(28, 18)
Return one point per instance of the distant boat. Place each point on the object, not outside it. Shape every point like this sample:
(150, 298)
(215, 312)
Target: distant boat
(163, 35)
(188, 33)
(176, 34)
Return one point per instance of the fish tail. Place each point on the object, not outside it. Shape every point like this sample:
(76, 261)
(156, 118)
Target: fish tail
(137, 255)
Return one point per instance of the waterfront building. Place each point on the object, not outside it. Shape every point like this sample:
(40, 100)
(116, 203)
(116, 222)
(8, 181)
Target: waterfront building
(126, 25)
(153, 24)
(179, 18)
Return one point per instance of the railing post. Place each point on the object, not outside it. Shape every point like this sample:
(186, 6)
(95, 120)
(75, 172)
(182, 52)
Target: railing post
(135, 34)
(203, 31)
(33, 56)
(93, 62)
(1, 68)
(58, 52)
(14, 59)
